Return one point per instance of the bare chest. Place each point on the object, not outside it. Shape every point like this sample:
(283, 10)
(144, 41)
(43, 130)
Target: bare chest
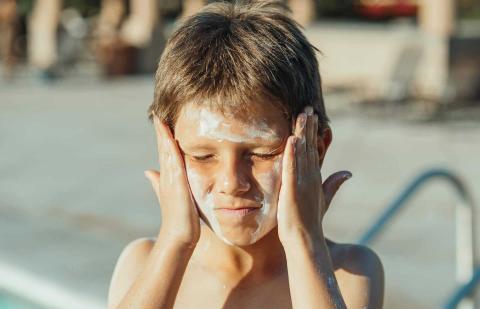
(206, 291)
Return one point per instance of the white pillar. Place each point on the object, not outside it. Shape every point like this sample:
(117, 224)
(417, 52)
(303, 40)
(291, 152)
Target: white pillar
(437, 20)
(42, 33)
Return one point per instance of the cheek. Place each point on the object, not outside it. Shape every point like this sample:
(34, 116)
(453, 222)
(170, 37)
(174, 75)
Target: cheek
(198, 183)
(270, 183)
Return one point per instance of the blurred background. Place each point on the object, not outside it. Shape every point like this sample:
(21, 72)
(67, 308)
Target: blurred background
(402, 88)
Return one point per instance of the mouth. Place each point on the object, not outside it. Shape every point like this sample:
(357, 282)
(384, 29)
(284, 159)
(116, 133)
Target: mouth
(241, 212)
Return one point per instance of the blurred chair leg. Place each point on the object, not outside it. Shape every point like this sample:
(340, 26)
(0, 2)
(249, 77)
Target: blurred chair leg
(111, 14)
(303, 11)
(106, 33)
(8, 32)
(42, 33)
(138, 28)
(191, 7)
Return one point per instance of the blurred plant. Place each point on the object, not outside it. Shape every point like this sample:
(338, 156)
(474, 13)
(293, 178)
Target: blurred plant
(85, 7)
(336, 7)
(24, 7)
(469, 9)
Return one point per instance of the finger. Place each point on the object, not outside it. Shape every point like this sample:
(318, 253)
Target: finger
(154, 177)
(169, 152)
(289, 164)
(309, 136)
(293, 124)
(332, 184)
(301, 145)
(309, 129)
(315, 142)
(159, 136)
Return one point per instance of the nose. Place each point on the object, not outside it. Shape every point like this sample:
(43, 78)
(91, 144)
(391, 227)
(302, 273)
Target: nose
(233, 179)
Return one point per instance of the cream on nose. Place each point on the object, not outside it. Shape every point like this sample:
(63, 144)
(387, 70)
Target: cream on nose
(232, 181)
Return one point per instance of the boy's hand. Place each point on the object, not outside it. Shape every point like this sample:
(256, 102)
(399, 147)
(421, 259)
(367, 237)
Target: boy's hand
(303, 200)
(180, 219)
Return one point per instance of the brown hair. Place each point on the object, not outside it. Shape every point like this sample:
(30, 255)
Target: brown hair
(230, 55)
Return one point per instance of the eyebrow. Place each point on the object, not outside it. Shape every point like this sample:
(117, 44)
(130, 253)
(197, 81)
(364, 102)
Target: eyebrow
(275, 147)
(198, 148)
(275, 144)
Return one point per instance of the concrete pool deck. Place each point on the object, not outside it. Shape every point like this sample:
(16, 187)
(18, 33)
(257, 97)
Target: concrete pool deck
(72, 191)
(73, 194)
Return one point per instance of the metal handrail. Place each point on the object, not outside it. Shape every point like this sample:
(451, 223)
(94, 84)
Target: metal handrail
(465, 243)
(463, 290)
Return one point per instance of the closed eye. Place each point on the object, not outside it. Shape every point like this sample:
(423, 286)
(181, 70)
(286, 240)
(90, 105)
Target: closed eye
(264, 156)
(202, 158)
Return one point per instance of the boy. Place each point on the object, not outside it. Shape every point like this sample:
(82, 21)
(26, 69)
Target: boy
(242, 133)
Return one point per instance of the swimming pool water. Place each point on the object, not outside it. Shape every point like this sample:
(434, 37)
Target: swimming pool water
(9, 301)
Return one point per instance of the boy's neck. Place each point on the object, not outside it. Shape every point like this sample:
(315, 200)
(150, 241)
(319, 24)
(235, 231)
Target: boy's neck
(263, 260)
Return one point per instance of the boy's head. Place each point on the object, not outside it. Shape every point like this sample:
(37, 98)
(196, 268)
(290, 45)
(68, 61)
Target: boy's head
(229, 83)
(230, 55)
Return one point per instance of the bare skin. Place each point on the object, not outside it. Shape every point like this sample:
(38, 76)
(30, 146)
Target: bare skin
(239, 264)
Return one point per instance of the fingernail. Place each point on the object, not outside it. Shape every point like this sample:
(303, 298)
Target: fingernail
(146, 174)
(347, 175)
(309, 110)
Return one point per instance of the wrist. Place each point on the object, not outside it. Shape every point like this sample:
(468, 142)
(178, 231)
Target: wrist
(303, 238)
(176, 242)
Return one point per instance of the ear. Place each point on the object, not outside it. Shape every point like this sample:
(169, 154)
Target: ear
(324, 139)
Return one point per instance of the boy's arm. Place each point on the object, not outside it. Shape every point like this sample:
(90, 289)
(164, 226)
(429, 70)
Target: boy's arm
(312, 281)
(301, 208)
(310, 274)
(148, 274)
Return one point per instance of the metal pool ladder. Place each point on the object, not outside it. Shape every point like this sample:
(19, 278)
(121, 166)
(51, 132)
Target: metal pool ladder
(467, 276)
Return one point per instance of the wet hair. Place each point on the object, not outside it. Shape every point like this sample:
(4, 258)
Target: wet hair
(230, 55)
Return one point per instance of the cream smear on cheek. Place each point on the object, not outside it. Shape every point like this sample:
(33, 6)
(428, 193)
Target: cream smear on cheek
(205, 201)
(212, 125)
(267, 217)
(269, 185)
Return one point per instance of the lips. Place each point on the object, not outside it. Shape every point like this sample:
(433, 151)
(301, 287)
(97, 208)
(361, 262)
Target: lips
(243, 211)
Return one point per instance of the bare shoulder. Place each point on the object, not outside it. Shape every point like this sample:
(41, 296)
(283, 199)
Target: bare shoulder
(359, 273)
(129, 265)
(356, 258)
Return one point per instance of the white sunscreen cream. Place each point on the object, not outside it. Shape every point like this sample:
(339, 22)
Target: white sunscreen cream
(267, 219)
(217, 127)
(214, 126)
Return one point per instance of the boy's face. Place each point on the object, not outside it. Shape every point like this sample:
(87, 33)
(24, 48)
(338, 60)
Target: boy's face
(234, 168)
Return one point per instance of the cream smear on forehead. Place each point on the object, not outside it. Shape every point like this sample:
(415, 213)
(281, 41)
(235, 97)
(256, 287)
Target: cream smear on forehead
(212, 125)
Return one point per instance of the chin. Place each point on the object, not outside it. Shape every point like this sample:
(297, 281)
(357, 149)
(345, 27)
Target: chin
(243, 238)
(239, 242)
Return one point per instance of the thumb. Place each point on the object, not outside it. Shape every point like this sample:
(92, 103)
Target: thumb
(332, 184)
(154, 177)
